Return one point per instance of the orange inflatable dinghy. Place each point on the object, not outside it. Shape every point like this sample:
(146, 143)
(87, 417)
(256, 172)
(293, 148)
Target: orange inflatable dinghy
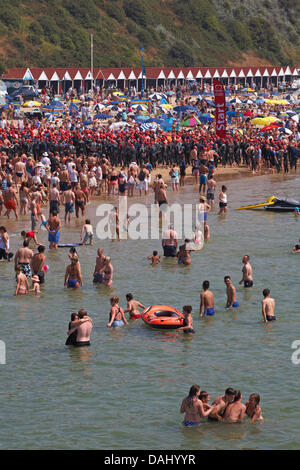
(162, 317)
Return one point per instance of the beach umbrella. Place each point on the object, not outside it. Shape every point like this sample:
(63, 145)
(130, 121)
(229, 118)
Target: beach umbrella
(165, 125)
(248, 89)
(31, 104)
(210, 103)
(141, 117)
(270, 127)
(295, 118)
(191, 121)
(139, 107)
(259, 101)
(285, 130)
(103, 116)
(206, 117)
(149, 126)
(56, 104)
(118, 125)
(268, 101)
(263, 121)
(166, 106)
(235, 101)
(183, 109)
(157, 96)
(87, 123)
(170, 93)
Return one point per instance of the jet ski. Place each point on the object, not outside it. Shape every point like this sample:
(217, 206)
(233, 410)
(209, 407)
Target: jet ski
(276, 204)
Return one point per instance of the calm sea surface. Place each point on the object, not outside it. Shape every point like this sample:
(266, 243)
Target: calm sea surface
(125, 391)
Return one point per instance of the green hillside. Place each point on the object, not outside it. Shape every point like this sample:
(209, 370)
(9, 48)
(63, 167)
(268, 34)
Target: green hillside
(173, 32)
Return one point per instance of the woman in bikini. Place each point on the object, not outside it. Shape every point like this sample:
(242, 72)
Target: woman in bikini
(23, 194)
(117, 317)
(193, 407)
(253, 410)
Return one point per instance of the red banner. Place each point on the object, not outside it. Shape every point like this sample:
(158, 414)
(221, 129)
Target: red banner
(220, 109)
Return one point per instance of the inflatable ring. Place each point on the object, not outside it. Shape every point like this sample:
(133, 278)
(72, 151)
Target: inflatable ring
(162, 317)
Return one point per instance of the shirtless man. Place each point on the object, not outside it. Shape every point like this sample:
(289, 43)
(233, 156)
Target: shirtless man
(38, 262)
(68, 199)
(53, 226)
(64, 178)
(161, 197)
(156, 186)
(83, 326)
(247, 278)
(231, 293)
(235, 411)
(80, 201)
(268, 306)
(54, 199)
(23, 258)
(10, 200)
(100, 263)
(105, 170)
(203, 177)
(73, 277)
(33, 210)
(170, 242)
(133, 307)
(211, 187)
(220, 403)
(206, 301)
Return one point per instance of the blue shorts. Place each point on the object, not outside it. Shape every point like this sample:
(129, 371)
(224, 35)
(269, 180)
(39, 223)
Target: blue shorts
(203, 179)
(234, 305)
(53, 237)
(209, 311)
(98, 278)
(73, 283)
(190, 423)
(117, 323)
(69, 207)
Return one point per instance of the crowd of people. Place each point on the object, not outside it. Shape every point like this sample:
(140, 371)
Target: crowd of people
(46, 166)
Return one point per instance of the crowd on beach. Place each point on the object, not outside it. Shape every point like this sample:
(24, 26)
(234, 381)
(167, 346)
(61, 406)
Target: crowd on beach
(48, 165)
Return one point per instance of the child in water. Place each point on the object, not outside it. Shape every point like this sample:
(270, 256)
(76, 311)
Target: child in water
(35, 285)
(155, 258)
(87, 233)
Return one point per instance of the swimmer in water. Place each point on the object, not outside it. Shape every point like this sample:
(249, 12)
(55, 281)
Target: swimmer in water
(296, 249)
(133, 307)
(193, 407)
(116, 316)
(188, 320)
(268, 306)
(253, 410)
(155, 258)
(206, 301)
(22, 282)
(247, 278)
(235, 411)
(35, 285)
(231, 293)
(297, 212)
(205, 397)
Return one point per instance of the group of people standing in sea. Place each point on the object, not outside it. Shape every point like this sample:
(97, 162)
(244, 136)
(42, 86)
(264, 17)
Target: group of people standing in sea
(226, 408)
